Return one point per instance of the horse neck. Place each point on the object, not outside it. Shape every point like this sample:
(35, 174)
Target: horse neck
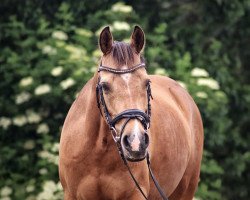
(98, 127)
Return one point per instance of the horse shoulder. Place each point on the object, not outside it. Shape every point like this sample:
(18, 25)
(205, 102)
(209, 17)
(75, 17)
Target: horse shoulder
(174, 92)
(182, 121)
(74, 128)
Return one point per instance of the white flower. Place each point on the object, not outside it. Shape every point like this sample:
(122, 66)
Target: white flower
(120, 26)
(50, 186)
(76, 95)
(44, 154)
(97, 53)
(43, 171)
(202, 95)
(182, 84)
(60, 35)
(55, 147)
(51, 191)
(56, 160)
(220, 95)
(42, 89)
(209, 82)
(20, 120)
(22, 97)
(198, 72)
(120, 7)
(49, 157)
(26, 81)
(29, 144)
(6, 191)
(76, 53)
(5, 122)
(42, 128)
(67, 83)
(30, 188)
(5, 198)
(59, 186)
(33, 117)
(161, 71)
(57, 71)
(45, 195)
(47, 49)
(93, 69)
(83, 32)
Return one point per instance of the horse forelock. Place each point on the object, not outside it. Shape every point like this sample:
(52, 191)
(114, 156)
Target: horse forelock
(123, 54)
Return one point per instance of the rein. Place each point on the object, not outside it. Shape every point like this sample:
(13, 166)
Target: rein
(143, 117)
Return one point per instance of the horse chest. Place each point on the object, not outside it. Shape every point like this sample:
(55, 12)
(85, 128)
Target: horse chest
(102, 176)
(103, 187)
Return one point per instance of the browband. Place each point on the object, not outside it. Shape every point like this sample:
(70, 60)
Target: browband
(120, 71)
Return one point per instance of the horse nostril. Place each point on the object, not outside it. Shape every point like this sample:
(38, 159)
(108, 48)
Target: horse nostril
(126, 141)
(146, 140)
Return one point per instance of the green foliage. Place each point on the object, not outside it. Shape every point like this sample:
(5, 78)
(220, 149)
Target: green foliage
(49, 51)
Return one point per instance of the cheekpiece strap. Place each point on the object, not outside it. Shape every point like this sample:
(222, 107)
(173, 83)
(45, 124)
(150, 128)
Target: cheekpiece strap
(120, 71)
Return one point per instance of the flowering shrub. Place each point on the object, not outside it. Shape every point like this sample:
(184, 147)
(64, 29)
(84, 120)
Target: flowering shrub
(47, 54)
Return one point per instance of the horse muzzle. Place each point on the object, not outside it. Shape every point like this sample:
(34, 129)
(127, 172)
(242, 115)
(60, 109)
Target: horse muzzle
(135, 146)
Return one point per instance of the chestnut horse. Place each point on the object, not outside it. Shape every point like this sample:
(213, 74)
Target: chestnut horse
(168, 128)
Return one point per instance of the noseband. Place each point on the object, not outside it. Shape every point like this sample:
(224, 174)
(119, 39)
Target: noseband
(143, 117)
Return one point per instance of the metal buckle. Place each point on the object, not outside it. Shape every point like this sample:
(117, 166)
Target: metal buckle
(114, 134)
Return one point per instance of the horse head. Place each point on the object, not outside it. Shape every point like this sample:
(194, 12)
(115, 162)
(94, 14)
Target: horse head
(123, 92)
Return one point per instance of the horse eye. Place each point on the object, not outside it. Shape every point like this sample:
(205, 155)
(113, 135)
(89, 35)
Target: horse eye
(105, 87)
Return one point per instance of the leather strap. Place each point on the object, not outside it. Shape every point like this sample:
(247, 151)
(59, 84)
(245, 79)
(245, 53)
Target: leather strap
(135, 181)
(158, 187)
(120, 71)
(132, 113)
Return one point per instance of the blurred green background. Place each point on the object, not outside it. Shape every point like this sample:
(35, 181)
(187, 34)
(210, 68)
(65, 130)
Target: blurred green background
(49, 49)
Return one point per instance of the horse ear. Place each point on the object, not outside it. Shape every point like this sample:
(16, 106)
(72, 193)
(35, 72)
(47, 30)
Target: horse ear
(137, 39)
(106, 40)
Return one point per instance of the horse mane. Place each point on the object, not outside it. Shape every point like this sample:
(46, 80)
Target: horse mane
(123, 54)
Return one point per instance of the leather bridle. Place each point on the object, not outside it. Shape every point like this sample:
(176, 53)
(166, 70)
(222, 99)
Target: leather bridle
(143, 117)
